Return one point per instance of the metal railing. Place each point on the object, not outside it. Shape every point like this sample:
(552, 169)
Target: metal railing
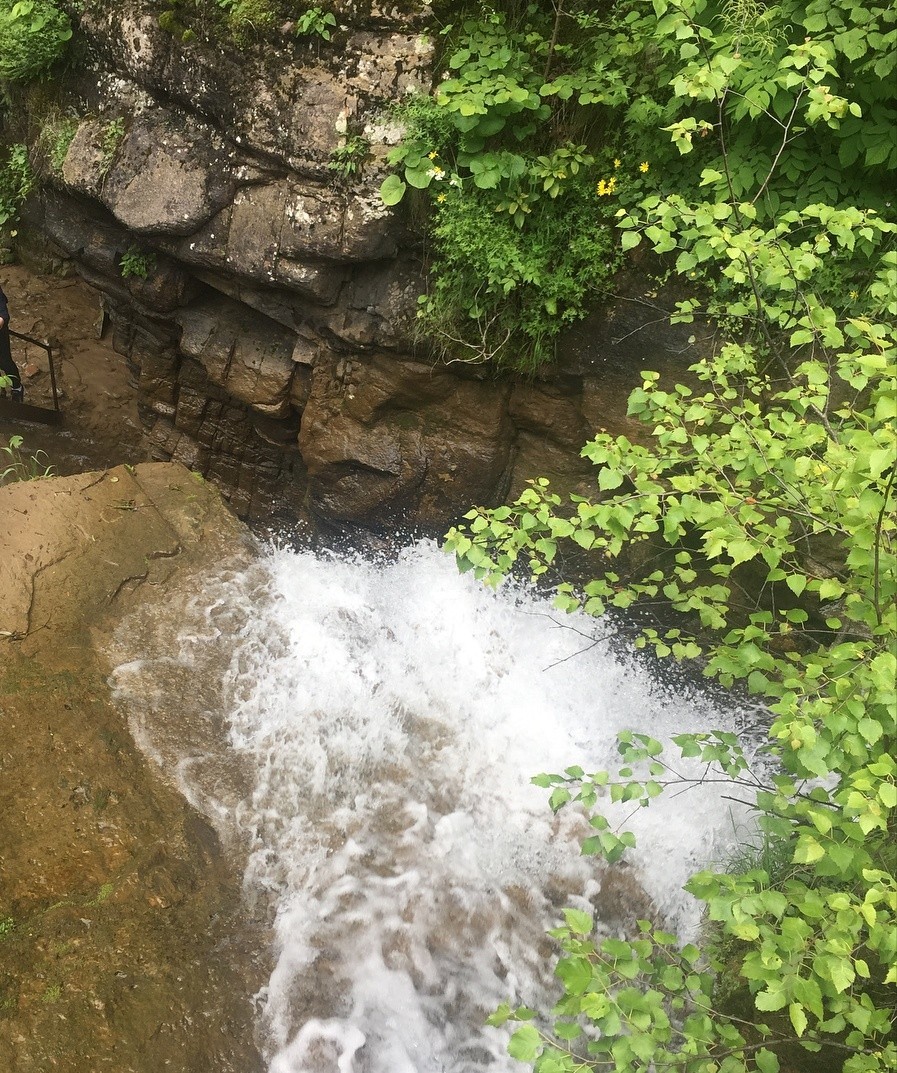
(45, 346)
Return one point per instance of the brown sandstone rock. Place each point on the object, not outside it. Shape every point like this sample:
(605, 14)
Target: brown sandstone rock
(123, 945)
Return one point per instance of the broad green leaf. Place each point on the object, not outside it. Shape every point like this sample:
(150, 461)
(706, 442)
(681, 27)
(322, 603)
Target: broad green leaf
(392, 190)
(526, 1044)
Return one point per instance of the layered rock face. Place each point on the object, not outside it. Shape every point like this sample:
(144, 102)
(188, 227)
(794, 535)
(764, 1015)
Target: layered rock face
(271, 336)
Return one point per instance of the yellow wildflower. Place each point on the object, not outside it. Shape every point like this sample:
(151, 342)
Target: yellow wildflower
(617, 162)
(643, 167)
(854, 294)
(433, 155)
(440, 197)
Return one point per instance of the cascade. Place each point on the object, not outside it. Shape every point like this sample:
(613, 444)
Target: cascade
(364, 734)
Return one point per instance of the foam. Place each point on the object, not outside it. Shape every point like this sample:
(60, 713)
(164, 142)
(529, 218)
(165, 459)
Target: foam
(386, 720)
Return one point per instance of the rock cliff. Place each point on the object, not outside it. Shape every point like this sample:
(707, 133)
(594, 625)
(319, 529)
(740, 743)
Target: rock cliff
(268, 302)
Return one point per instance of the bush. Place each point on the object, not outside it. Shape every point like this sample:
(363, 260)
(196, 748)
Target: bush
(766, 486)
(16, 182)
(33, 36)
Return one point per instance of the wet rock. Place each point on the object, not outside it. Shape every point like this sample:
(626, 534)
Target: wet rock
(122, 943)
(245, 354)
(396, 442)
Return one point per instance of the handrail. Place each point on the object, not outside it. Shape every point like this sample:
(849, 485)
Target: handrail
(44, 345)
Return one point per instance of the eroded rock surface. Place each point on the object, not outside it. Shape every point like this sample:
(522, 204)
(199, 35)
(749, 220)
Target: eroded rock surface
(271, 331)
(121, 939)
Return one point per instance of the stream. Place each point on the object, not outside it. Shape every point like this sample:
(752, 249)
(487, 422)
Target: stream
(364, 734)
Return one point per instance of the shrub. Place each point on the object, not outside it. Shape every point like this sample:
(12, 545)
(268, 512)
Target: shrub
(766, 486)
(33, 36)
(16, 182)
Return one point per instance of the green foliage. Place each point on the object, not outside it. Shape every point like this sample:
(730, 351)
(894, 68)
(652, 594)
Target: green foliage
(113, 134)
(247, 17)
(765, 487)
(137, 262)
(241, 21)
(316, 22)
(56, 136)
(348, 159)
(16, 183)
(549, 97)
(20, 467)
(517, 286)
(171, 22)
(244, 21)
(33, 36)
(523, 244)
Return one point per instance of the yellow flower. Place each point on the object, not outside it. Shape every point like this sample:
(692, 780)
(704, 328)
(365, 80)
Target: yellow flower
(854, 294)
(643, 167)
(601, 188)
(440, 197)
(433, 155)
(617, 162)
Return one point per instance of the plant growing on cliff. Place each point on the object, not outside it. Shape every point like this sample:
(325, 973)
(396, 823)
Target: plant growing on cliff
(316, 22)
(347, 160)
(766, 484)
(110, 140)
(170, 21)
(56, 136)
(535, 103)
(136, 263)
(33, 36)
(247, 17)
(21, 467)
(16, 183)
(523, 242)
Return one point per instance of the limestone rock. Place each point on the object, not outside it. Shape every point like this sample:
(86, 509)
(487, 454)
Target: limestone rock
(170, 175)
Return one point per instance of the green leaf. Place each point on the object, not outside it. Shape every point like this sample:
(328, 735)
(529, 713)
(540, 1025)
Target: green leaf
(392, 190)
(798, 1017)
(578, 921)
(796, 582)
(741, 551)
(767, 1061)
(525, 1045)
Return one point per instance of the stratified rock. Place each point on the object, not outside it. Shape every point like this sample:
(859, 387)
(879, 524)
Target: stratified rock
(273, 336)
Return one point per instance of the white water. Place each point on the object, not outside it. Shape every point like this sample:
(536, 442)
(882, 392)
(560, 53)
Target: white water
(380, 727)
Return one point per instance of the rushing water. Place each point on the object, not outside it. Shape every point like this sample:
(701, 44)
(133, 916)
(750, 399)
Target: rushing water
(366, 733)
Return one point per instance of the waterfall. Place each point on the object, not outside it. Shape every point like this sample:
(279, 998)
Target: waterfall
(364, 734)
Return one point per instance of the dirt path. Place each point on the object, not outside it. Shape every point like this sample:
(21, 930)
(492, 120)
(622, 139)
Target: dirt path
(101, 427)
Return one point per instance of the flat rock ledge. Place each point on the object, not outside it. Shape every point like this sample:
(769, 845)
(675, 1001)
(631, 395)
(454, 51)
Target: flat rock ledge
(121, 940)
